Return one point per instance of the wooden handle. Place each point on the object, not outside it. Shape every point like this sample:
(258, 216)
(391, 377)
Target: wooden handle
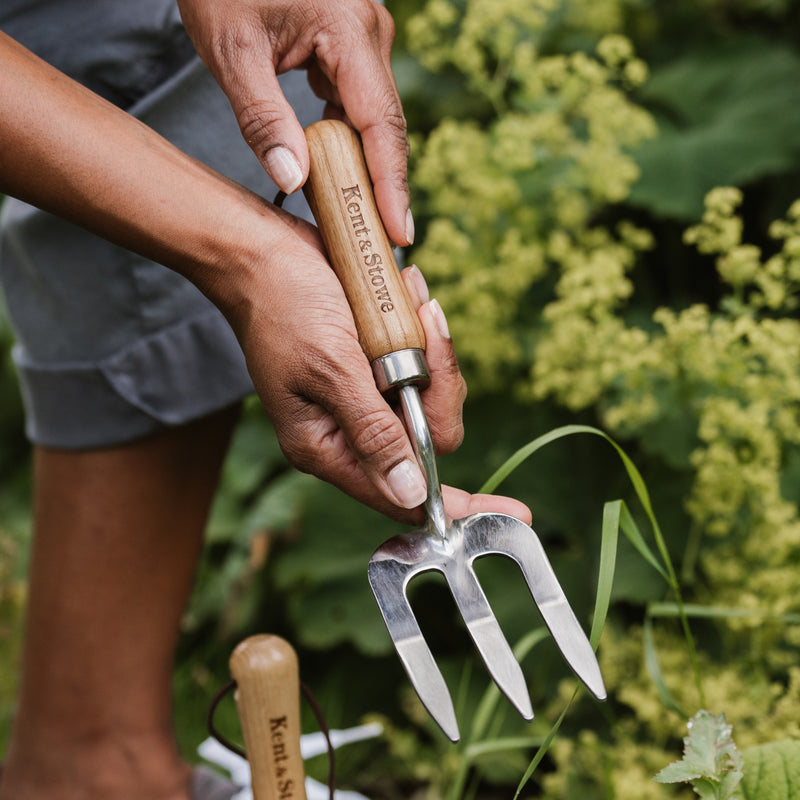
(268, 700)
(339, 192)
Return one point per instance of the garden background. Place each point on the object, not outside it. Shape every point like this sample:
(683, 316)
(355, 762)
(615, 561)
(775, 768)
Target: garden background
(606, 197)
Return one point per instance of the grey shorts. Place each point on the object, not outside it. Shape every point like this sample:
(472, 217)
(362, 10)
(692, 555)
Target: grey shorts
(110, 346)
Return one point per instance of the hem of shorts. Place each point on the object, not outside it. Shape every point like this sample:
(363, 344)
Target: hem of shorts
(174, 376)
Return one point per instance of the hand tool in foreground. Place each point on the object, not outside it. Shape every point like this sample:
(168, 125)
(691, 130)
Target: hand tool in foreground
(268, 701)
(340, 194)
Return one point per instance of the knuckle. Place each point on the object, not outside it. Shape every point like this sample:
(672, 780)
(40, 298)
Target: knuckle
(395, 120)
(258, 122)
(231, 45)
(388, 114)
(449, 439)
(330, 366)
(390, 130)
(382, 23)
(372, 17)
(451, 380)
(377, 436)
(445, 417)
(302, 440)
(297, 453)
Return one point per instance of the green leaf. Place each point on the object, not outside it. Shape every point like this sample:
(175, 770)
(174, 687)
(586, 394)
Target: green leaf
(772, 771)
(653, 667)
(711, 761)
(323, 572)
(626, 521)
(279, 504)
(728, 114)
(491, 696)
(544, 747)
(340, 610)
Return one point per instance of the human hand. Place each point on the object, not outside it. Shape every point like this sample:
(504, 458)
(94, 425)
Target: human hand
(318, 389)
(264, 269)
(345, 46)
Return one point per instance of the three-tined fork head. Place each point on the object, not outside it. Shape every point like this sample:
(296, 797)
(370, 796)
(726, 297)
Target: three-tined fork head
(398, 560)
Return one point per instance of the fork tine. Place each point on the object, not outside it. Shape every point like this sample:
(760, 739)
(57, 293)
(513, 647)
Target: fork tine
(487, 635)
(497, 533)
(388, 579)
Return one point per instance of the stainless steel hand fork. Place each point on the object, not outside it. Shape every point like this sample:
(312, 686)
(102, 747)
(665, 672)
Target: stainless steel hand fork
(340, 194)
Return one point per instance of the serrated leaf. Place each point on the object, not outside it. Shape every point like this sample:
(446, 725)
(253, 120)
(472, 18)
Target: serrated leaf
(682, 771)
(771, 771)
(711, 762)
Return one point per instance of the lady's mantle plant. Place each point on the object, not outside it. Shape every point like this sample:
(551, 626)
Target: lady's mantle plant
(541, 295)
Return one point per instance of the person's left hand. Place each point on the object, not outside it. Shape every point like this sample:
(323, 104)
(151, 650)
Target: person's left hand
(345, 46)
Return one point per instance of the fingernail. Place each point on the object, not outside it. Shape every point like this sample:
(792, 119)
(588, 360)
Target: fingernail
(409, 227)
(284, 169)
(419, 284)
(408, 485)
(440, 319)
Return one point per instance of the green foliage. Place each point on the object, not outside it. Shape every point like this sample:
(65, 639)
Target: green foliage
(518, 188)
(531, 241)
(772, 771)
(718, 771)
(727, 114)
(567, 159)
(711, 762)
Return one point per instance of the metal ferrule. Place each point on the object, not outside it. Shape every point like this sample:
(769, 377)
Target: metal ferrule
(400, 369)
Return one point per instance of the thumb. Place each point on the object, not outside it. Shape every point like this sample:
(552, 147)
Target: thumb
(270, 127)
(345, 432)
(381, 445)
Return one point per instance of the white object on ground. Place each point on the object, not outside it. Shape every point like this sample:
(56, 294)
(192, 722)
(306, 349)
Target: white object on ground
(312, 744)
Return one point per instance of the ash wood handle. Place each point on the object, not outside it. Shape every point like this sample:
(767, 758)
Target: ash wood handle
(339, 192)
(268, 700)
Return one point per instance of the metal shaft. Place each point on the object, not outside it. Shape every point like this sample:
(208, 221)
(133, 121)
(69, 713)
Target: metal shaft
(426, 455)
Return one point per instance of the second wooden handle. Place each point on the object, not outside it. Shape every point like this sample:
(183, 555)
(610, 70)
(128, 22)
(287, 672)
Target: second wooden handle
(339, 192)
(268, 701)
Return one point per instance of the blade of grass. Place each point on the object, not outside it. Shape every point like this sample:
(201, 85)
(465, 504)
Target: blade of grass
(607, 568)
(491, 696)
(631, 530)
(544, 747)
(642, 494)
(616, 516)
(654, 668)
(485, 712)
(719, 612)
(500, 745)
(525, 452)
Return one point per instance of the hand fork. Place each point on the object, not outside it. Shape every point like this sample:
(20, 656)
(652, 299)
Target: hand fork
(339, 192)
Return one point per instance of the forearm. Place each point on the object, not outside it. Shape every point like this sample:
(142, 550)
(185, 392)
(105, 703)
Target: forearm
(65, 150)
(68, 151)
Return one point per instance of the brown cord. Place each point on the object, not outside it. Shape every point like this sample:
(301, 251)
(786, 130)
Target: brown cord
(323, 726)
(226, 743)
(234, 748)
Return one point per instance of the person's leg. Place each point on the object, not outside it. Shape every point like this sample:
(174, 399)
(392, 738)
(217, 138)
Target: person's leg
(116, 536)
